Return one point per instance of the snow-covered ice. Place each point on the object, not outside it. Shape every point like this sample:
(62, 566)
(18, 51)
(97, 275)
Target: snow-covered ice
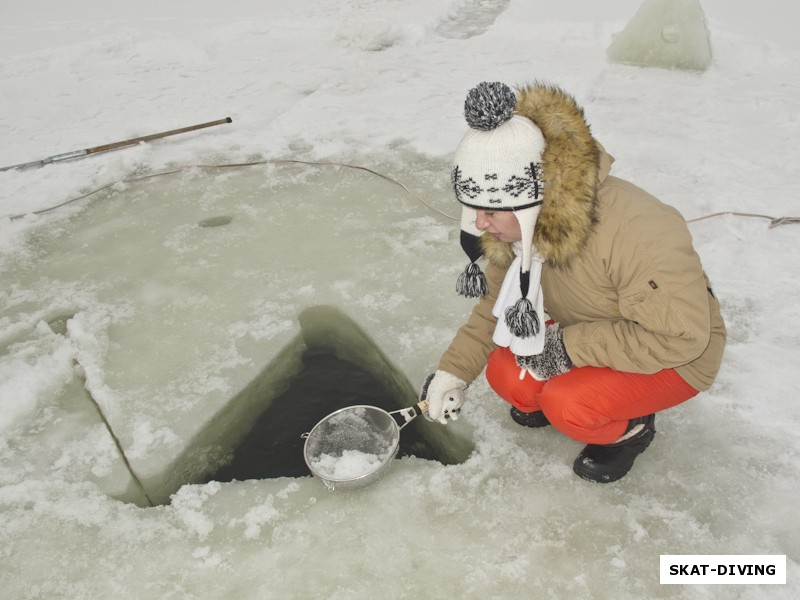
(152, 304)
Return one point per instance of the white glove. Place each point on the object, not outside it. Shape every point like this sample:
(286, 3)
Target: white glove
(445, 395)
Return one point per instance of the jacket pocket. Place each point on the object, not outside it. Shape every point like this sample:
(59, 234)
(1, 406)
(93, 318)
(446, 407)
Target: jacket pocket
(656, 311)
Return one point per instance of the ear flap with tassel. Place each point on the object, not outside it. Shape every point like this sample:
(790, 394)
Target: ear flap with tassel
(472, 282)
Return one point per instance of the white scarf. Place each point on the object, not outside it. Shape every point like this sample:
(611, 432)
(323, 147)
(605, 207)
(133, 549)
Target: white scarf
(508, 296)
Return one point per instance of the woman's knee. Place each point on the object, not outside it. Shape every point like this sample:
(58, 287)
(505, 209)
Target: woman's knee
(577, 409)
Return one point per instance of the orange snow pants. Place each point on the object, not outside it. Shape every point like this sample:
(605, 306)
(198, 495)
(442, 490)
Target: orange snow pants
(589, 404)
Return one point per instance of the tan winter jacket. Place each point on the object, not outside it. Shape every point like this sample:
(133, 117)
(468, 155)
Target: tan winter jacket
(622, 277)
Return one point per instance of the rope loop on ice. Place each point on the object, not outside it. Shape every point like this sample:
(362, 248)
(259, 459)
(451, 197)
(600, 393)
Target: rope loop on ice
(774, 221)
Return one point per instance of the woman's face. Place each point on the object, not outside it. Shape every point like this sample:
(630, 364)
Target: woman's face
(502, 224)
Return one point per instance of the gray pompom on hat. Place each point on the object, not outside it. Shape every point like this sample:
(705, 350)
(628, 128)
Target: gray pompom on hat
(489, 105)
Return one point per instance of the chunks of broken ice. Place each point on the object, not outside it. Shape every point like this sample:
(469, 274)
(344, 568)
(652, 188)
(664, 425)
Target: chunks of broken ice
(352, 464)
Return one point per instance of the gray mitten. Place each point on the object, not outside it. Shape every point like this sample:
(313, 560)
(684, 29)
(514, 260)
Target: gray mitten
(553, 360)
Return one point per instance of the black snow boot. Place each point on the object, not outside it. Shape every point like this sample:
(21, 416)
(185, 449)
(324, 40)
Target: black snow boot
(609, 462)
(533, 419)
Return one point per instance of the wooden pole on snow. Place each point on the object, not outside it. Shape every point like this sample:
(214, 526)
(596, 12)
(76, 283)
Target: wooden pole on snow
(115, 145)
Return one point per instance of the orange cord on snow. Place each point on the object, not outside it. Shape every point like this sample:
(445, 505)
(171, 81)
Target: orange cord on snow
(774, 221)
(235, 165)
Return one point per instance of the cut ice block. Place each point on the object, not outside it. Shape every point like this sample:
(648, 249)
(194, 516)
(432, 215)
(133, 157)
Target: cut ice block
(671, 34)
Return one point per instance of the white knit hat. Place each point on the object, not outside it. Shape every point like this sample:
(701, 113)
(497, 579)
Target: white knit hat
(497, 167)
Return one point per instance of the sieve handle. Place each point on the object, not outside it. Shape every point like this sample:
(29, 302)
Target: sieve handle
(409, 414)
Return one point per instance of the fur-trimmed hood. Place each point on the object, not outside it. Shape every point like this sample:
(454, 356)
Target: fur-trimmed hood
(571, 169)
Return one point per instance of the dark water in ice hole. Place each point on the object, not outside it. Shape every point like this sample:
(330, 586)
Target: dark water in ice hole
(274, 448)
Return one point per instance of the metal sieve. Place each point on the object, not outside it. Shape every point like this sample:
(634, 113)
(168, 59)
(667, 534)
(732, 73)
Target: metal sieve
(353, 446)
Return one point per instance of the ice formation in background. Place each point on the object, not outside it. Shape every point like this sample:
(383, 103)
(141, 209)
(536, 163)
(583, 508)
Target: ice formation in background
(664, 33)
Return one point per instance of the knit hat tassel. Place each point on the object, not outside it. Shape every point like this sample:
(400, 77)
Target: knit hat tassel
(472, 282)
(521, 318)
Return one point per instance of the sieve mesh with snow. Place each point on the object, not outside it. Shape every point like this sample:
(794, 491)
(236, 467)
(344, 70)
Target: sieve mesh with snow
(351, 444)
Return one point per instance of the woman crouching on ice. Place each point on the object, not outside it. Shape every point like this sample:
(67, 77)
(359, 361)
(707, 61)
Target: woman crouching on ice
(594, 310)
